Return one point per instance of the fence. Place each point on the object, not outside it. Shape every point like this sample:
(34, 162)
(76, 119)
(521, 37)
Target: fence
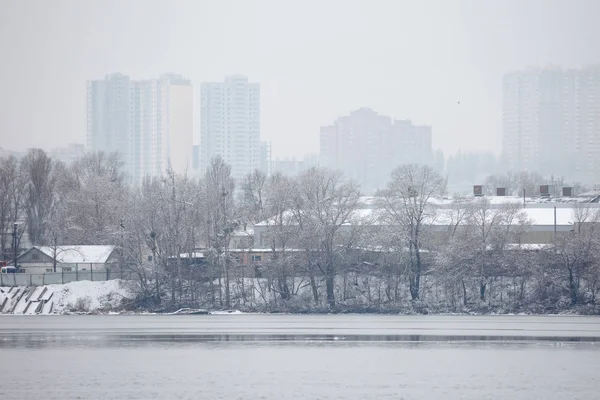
(62, 277)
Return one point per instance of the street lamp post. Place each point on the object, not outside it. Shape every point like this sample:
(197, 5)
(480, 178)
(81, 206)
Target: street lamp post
(15, 244)
(122, 226)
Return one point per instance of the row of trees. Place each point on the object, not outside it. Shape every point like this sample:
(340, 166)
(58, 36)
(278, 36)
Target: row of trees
(56, 204)
(327, 248)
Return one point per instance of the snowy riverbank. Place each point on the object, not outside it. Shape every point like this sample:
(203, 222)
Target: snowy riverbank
(115, 297)
(74, 297)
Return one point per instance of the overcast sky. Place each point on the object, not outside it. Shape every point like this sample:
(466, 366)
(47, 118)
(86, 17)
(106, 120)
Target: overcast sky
(315, 60)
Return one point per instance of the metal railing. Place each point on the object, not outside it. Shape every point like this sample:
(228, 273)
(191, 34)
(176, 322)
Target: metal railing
(50, 278)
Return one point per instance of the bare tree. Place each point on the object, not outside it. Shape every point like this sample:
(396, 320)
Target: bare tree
(282, 232)
(220, 219)
(493, 229)
(95, 193)
(405, 205)
(12, 198)
(253, 197)
(455, 250)
(579, 251)
(325, 202)
(40, 194)
(145, 238)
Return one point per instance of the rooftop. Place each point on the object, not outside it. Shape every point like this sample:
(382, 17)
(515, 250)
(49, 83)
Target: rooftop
(78, 254)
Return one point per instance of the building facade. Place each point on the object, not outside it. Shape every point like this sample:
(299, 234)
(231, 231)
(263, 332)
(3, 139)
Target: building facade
(230, 124)
(551, 122)
(109, 117)
(149, 122)
(366, 146)
(178, 96)
(265, 164)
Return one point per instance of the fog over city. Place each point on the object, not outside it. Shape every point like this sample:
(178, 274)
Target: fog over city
(437, 63)
(274, 199)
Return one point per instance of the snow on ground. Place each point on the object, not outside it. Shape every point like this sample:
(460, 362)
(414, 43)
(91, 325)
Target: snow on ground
(82, 296)
(226, 312)
(89, 296)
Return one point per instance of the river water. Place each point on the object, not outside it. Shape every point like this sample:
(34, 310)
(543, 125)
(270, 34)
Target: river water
(299, 357)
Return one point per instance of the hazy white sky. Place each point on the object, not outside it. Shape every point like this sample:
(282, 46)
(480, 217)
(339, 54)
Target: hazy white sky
(315, 60)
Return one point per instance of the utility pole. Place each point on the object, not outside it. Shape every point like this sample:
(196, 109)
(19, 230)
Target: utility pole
(55, 255)
(122, 227)
(15, 244)
(554, 226)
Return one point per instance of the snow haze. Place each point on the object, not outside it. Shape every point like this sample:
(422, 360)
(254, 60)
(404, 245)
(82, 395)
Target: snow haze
(437, 63)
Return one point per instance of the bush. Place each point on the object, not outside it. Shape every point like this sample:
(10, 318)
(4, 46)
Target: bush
(83, 304)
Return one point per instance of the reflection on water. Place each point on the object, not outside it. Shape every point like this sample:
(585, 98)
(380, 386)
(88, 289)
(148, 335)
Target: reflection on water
(259, 357)
(128, 340)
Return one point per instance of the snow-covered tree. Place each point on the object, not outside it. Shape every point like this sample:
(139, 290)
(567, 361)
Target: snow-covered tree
(405, 205)
(40, 193)
(579, 253)
(282, 232)
(324, 202)
(12, 198)
(94, 193)
(220, 220)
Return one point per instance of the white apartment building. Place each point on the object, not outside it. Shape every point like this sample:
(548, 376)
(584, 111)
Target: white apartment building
(178, 97)
(551, 122)
(230, 124)
(149, 122)
(109, 118)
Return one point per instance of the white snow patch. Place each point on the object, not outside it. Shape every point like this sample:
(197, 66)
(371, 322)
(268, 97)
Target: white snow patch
(88, 296)
(226, 312)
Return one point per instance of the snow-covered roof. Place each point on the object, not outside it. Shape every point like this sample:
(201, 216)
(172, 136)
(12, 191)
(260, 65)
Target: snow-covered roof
(545, 216)
(536, 216)
(499, 200)
(78, 254)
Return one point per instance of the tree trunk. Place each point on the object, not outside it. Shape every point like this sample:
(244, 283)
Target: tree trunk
(157, 289)
(414, 287)
(330, 284)
(220, 290)
(283, 287)
(172, 289)
(464, 288)
(482, 287)
(415, 278)
(313, 285)
(227, 289)
(572, 287)
(330, 293)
